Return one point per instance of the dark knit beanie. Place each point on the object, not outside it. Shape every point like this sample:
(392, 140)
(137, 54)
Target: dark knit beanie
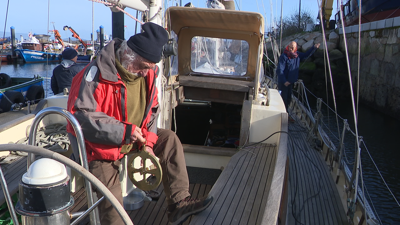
(69, 53)
(149, 44)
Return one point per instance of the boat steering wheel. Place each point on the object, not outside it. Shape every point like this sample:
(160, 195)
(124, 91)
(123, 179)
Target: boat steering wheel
(154, 170)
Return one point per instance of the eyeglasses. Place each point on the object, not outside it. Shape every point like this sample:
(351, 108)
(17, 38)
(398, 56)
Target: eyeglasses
(145, 65)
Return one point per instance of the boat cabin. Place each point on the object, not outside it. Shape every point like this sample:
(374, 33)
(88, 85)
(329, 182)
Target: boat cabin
(219, 104)
(217, 68)
(32, 46)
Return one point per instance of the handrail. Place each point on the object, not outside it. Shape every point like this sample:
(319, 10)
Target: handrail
(81, 146)
(344, 162)
(76, 167)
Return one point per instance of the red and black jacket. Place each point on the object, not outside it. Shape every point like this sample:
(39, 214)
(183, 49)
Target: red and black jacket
(98, 100)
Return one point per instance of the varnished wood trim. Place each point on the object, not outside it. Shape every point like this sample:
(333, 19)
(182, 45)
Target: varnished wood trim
(209, 150)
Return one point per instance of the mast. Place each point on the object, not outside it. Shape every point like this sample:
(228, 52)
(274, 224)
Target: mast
(92, 28)
(156, 16)
(299, 12)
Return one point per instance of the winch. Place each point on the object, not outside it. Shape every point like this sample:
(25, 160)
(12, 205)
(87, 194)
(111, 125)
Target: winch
(44, 194)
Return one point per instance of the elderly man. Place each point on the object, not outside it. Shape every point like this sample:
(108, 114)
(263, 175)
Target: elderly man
(115, 100)
(63, 73)
(288, 69)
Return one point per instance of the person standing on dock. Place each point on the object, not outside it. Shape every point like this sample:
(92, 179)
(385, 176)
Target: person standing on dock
(288, 69)
(63, 73)
(115, 101)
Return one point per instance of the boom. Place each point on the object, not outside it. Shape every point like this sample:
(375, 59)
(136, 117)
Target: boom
(58, 37)
(327, 11)
(75, 35)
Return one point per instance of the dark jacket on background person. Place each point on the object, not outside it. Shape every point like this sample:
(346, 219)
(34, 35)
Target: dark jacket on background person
(100, 106)
(63, 74)
(288, 69)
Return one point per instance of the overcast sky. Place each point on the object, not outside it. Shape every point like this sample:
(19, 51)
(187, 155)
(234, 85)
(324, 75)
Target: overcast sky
(40, 15)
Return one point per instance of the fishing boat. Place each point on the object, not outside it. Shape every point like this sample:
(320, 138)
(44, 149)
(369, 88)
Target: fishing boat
(4, 49)
(5, 55)
(16, 92)
(229, 117)
(371, 10)
(32, 50)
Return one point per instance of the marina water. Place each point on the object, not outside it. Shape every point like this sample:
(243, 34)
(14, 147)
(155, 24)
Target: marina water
(380, 133)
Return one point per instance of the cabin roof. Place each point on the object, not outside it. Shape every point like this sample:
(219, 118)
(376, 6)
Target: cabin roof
(214, 19)
(215, 23)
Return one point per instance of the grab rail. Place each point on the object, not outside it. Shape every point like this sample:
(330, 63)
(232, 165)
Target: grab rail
(81, 146)
(337, 148)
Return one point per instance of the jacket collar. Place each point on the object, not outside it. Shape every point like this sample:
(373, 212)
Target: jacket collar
(106, 60)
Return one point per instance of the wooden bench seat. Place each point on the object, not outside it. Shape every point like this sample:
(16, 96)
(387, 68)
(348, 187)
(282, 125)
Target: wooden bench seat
(13, 167)
(241, 192)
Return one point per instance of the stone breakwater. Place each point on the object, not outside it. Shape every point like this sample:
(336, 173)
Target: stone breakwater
(379, 66)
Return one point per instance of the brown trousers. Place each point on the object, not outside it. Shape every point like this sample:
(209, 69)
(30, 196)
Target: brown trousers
(175, 178)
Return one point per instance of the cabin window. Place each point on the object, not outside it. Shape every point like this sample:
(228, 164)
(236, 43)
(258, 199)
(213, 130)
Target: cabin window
(219, 56)
(174, 58)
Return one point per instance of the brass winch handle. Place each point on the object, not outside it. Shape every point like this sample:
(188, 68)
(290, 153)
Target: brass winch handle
(154, 169)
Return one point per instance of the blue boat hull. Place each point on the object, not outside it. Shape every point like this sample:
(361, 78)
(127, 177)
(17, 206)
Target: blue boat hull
(33, 56)
(84, 58)
(22, 85)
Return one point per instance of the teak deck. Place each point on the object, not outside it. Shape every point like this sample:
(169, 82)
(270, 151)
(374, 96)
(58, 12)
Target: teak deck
(240, 193)
(241, 190)
(311, 187)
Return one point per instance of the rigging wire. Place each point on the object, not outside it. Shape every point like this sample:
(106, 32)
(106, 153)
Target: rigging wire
(371, 159)
(47, 58)
(359, 54)
(356, 166)
(272, 14)
(358, 91)
(326, 85)
(5, 22)
(362, 187)
(92, 28)
(280, 42)
(117, 7)
(258, 8)
(356, 134)
(265, 13)
(380, 174)
(237, 5)
(328, 60)
(373, 206)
